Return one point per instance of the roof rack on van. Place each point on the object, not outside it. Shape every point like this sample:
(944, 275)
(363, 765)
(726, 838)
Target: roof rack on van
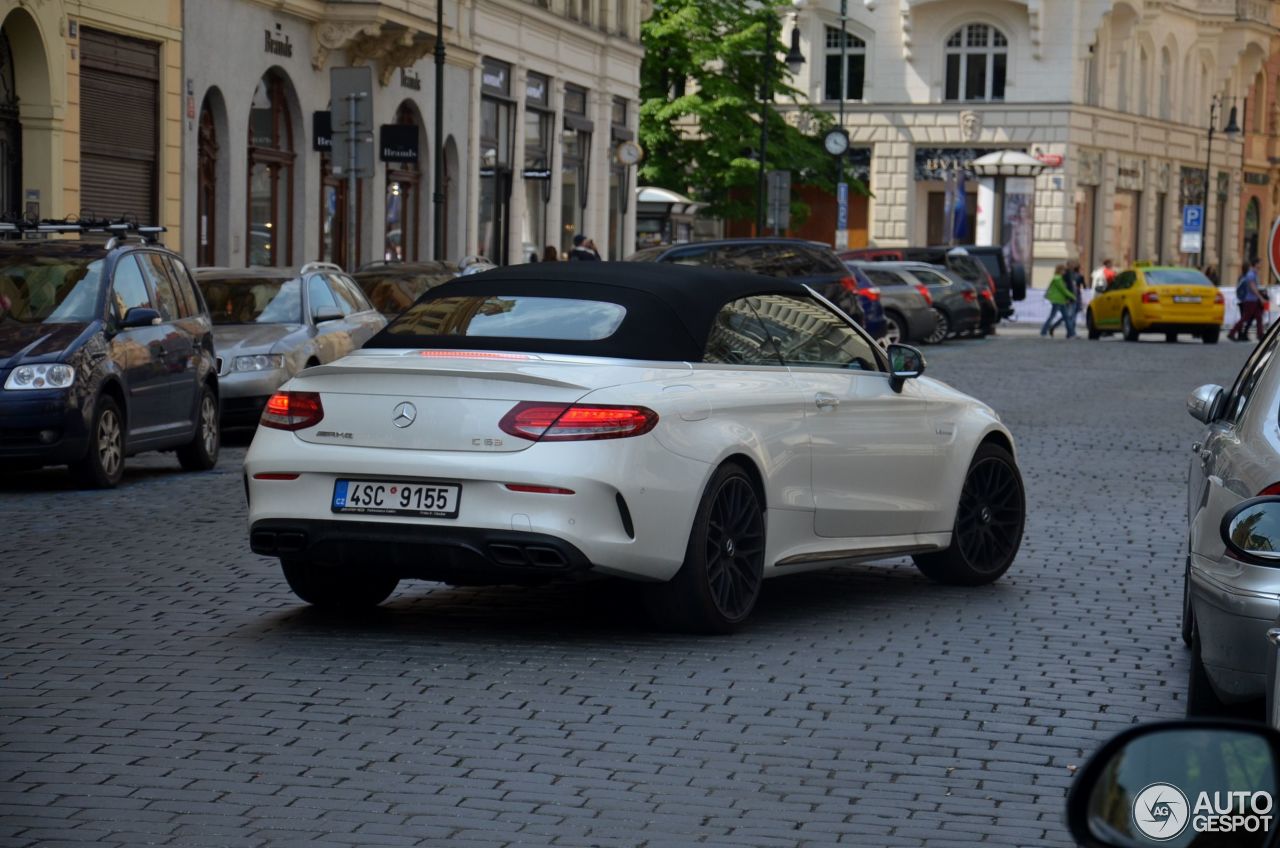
(117, 230)
(308, 267)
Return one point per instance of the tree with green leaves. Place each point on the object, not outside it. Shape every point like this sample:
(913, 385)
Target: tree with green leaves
(700, 90)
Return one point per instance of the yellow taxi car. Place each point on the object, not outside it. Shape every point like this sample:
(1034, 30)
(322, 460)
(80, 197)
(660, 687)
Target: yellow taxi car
(1157, 299)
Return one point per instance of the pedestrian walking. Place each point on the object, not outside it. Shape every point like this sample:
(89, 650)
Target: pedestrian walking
(1103, 275)
(583, 250)
(551, 254)
(1250, 300)
(1074, 281)
(1061, 297)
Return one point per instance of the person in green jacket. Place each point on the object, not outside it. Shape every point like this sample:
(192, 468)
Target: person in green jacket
(1062, 298)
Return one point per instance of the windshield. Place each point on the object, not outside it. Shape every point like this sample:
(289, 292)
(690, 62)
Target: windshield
(1177, 277)
(253, 301)
(392, 292)
(61, 290)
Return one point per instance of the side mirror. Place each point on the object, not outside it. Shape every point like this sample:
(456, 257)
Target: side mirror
(905, 363)
(140, 316)
(1205, 403)
(321, 315)
(1179, 783)
(1251, 531)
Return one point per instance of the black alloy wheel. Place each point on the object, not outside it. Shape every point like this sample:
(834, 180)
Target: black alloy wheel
(942, 330)
(989, 523)
(719, 582)
(894, 328)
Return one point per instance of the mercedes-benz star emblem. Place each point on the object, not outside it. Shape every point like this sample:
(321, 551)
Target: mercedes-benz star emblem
(404, 415)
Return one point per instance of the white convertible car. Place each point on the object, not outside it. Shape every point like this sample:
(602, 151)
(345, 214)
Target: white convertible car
(692, 429)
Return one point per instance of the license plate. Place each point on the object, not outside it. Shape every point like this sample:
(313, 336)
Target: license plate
(1185, 298)
(387, 497)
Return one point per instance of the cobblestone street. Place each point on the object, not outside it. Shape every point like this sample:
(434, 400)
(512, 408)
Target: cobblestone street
(162, 686)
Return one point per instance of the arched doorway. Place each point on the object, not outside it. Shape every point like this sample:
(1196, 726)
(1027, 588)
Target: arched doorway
(271, 173)
(1252, 223)
(207, 186)
(10, 133)
(404, 189)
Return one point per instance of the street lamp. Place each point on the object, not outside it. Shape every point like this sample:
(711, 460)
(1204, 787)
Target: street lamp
(768, 56)
(1231, 130)
(437, 196)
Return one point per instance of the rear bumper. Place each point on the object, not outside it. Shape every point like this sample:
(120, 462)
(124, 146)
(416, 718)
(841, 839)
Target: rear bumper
(41, 428)
(1177, 327)
(451, 554)
(242, 411)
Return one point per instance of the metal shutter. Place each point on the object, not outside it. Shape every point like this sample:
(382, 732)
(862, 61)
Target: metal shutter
(119, 126)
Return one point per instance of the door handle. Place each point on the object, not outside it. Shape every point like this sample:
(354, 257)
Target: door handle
(1195, 447)
(826, 400)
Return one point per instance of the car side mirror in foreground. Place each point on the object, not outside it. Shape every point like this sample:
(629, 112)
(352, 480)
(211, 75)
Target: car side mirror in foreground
(1205, 402)
(139, 316)
(1251, 531)
(1193, 783)
(905, 363)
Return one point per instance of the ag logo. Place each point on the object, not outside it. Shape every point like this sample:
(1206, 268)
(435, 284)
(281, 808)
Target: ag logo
(1160, 811)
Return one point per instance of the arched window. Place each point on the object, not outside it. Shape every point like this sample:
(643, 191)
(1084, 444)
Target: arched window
(855, 55)
(977, 62)
(271, 165)
(10, 133)
(207, 188)
(1166, 84)
(1122, 83)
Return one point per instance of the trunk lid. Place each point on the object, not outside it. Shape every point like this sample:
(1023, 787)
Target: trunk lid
(455, 400)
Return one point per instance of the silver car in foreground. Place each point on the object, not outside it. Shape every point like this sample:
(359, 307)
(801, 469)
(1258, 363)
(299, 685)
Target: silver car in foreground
(270, 323)
(1229, 603)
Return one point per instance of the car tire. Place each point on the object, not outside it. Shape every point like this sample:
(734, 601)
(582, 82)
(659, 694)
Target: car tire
(941, 330)
(1201, 699)
(336, 588)
(895, 329)
(718, 584)
(1094, 332)
(989, 522)
(103, 462)
(1171, 338)
(201, 453)
(1211, 336)
(1126, 327)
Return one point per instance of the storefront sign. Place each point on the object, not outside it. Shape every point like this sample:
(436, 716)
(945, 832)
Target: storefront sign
(398, 143)
(410, 79)
(321, 132)
(537, 90)
(495, 77)
(278, 44)
(536, 173)
(934, 163)
(1130, 174)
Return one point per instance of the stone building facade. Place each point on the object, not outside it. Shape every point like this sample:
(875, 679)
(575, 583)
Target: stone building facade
(258, 176)
(90, 109)
(1113, 95)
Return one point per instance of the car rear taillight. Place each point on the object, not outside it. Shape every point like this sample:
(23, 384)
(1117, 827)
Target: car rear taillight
(1273, 489)
(1151, 297)
(558, 422)
(924, 292)
(986, 294)
(850, 284)
(474, 354)
(870, 293)
(292, 411)
(970, 295)
(1218, 298)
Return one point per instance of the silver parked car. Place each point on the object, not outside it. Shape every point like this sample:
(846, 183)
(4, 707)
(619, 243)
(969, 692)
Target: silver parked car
(1229, 603)
(270, 323)
(908, 312)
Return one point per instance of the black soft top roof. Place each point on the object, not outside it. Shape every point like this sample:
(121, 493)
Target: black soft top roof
(670, 308)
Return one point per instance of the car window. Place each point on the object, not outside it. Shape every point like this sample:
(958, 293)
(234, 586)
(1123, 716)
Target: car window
(790, 260)
(128, 289)
(1247, 380)
(346, 302)
(691, 256)
(320, 298)
(754, 258)
(991, 262)
(881, 277)
(1176, 277)
(349, 293)
(809, 335)
(35, 290)
(739, 337)
(930, 278)
(1123, 280)
(510, 317)
(157, 274)
(823, 261)
(182, 283)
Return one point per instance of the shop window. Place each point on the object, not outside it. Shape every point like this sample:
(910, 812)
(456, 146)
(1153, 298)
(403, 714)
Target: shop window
(271, 172)
(207, 188)
(404, 180)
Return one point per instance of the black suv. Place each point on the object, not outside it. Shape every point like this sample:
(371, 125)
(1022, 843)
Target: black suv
(795, 259)
(106, 350)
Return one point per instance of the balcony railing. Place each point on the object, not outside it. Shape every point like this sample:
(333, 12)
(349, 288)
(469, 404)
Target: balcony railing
(1255, 11)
